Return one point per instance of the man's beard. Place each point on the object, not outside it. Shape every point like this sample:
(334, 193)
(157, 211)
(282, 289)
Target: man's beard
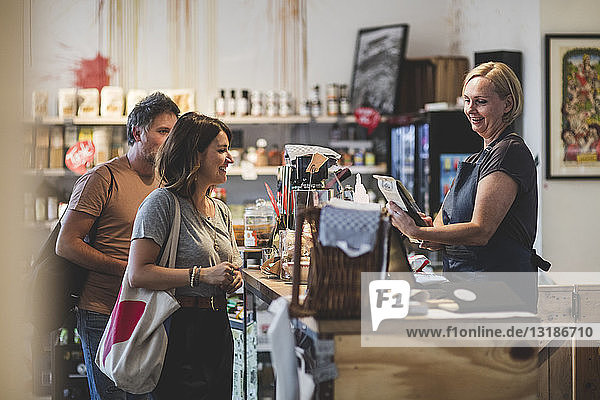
(149, 156)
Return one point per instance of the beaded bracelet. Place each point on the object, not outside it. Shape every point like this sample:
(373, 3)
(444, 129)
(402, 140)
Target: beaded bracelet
(196, 276)
(193, 276)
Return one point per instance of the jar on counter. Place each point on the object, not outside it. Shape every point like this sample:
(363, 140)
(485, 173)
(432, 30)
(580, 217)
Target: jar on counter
(259, 222)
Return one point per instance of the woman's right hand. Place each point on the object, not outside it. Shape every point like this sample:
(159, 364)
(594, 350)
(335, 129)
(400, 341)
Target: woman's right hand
(221, 274)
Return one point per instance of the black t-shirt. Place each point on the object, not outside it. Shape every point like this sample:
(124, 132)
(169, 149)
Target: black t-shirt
(512, 156)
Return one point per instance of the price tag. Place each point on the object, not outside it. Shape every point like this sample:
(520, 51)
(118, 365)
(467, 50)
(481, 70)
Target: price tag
(79, 156)
(367, 117)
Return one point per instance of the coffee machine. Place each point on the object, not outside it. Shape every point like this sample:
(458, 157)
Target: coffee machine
(303, 179)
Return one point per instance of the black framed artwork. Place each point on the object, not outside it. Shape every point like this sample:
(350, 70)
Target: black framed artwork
(378, 59)
(572, 106)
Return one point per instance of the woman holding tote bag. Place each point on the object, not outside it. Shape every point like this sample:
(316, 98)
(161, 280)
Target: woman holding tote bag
(199, 358)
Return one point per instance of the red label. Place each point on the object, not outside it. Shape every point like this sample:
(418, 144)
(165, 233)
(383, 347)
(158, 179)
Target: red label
(79, 156)
(367, 117)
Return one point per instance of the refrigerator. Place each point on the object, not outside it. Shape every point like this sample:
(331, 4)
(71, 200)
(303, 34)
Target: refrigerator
(425, 150)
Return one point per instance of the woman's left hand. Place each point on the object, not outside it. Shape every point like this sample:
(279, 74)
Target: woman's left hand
(401, 220)
(235, 283)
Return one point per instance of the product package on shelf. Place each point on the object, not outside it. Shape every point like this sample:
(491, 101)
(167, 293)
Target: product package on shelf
(88, 103)
(39, 104)
(133, 97)
(67, 102)
(101, 137)
(184, 98)
(111, 101)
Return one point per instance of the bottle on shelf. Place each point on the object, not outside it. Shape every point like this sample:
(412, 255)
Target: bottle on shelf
(271, 104)
(285, 105)
(256, 108)
(344, 100)
(220, 104)
(369, 158)
(305, 108)
(333, 105)
(359, 157)
(241, 105)
(231, 104)
(251, 155)
(315, 102)
(262, 159)
(275, 156)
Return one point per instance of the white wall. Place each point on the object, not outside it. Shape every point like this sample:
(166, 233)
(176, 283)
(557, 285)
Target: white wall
(571, 208)
(223, 44)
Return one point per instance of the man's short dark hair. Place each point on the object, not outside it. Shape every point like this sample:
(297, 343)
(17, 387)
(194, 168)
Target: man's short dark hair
(146, 110)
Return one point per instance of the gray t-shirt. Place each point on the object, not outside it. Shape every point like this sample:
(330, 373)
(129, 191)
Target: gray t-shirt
(203, 241)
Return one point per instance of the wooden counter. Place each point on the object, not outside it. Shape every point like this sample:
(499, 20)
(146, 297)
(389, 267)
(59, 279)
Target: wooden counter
(266, 288)
(409, 373)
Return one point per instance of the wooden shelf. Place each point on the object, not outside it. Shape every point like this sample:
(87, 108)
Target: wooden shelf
(249, 120)
(81, 121)
(50, 172)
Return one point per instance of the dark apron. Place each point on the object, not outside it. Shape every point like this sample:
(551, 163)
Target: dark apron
(502, 253)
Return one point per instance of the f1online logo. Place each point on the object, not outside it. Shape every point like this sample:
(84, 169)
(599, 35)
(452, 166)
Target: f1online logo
(388, 300)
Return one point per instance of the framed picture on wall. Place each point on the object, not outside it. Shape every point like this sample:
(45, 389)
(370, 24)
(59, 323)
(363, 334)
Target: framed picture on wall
(378, 58)
(572, 106)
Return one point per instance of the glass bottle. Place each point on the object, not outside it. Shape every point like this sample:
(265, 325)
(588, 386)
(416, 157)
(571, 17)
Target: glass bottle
(220, 104)
(315, 100)
(241, 105)
(231, 104)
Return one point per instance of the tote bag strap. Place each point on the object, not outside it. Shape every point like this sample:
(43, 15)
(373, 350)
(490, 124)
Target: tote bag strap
(170, 251)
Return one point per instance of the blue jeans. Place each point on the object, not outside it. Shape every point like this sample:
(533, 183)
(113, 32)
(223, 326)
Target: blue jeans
(90, 326)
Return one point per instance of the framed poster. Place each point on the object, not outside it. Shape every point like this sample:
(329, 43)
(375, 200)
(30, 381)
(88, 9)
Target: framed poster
(378, 58)
(572, 106)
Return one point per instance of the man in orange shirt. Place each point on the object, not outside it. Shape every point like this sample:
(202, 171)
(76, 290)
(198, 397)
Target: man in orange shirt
(109, 196)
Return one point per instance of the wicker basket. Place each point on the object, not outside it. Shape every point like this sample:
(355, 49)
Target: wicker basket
(334, 278)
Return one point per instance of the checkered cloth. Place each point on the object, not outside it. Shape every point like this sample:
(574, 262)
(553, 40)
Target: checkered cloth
(293, 151)
(351, 227)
